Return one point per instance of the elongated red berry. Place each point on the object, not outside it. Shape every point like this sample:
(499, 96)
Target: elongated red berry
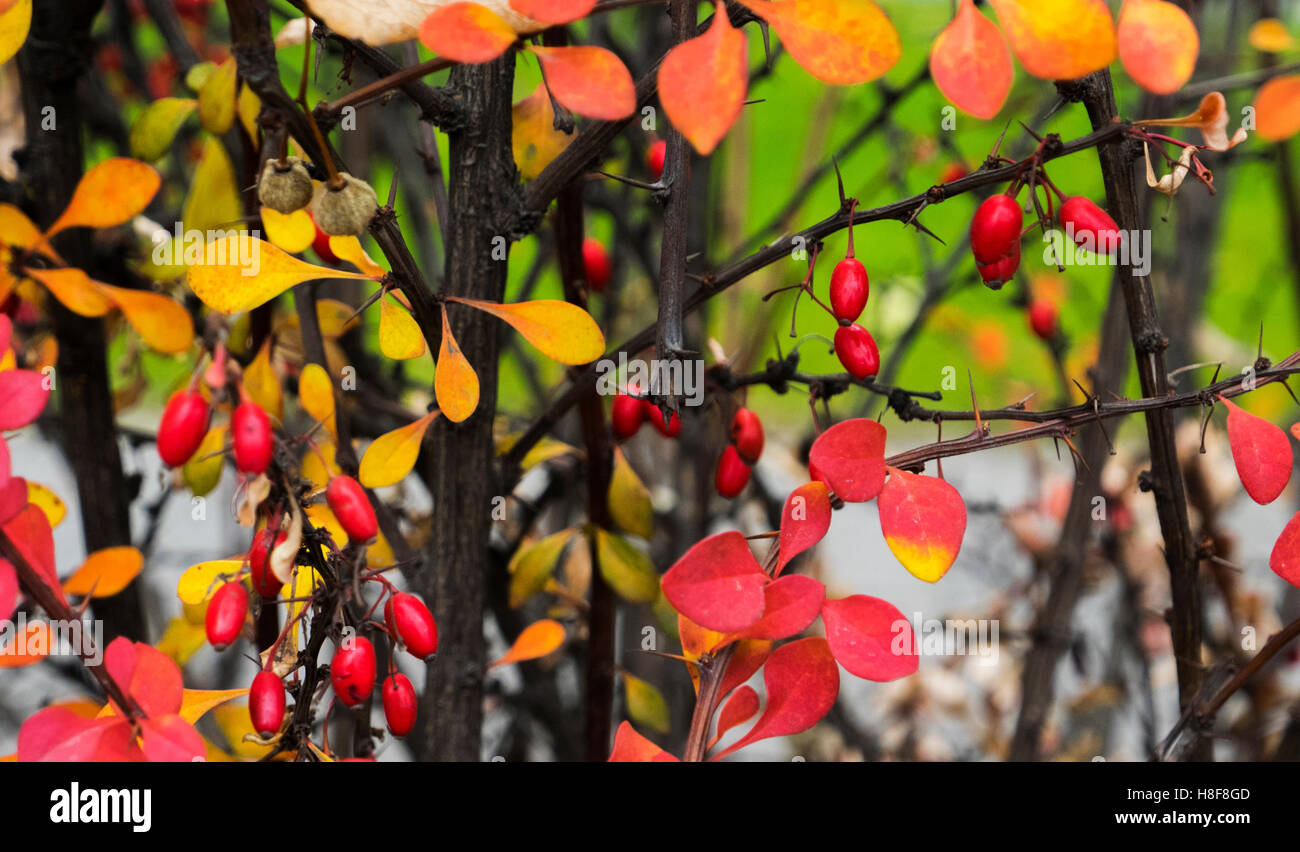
(671, 429)
(348, 501)
(849, 289)
(226, 613)
(399, 704)
(183, 425)
(321, 245)
(654, 159)
(1000, 271)
(747, 435)
(595, 260)
(1043, 318)
(352, 671)
(410, 619)
(266, 703)
(1089, 226)
(857, 351)
(732, 475)
(250, 432)
(259, 563)
(995, 230)
(626, 416)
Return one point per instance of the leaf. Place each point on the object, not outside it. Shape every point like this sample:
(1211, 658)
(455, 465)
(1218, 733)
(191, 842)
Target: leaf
(702, 84)
(263, 384)
(162, 322)
(238, 272)
(58, 734)
(748, 658)
(870, 637)
(455, 384)
(923, 519)
(537, 640)
(1261, 452)
(35, 644)
(970, 63)
(1211, 118)
(21, 232)
(1158, 44)
(155, 128)
(740, 707)
(15, 21)
(1277, 108)
(75, 290)
(145, 674)
(217, 98)
(29, 532)
(553, 11)
(200, 582)
(1270, 36)
(631, 747)
(534, 139)
(316, 395)
(1058, 39)
(294, 232)
(349, 248)
(391, 456)
(111, 193)
(23, 394)
(591, 81)
(170, 739)
(203, 471)
(195, 703)
(804, 520)
(717, 584)
(850, 456)
(533, 564)
(182, 640)
(645, 704)
(105, 572)
(466, 32)
(400, 337)
(560, 331)
(790, 605)
(802, 683)
(627, 569)
(1285, 558)
(213, 202)
(8, 590)
(248, 108)
(836, 41)
(629, 499)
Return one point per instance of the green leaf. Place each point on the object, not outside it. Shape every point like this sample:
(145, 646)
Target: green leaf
(629, 499)
(645, 704)
(157, 125)
(628, 571)
(533, 564)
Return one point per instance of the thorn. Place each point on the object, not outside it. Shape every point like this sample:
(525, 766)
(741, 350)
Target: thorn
(1055, 108)
(1205, 424)
(639, 184)
(924, 230)
(839, 179)
(392, 187)
(1003, 135)
(1288, 390)
(1037, 138)
(1086, 396)
(753, 101)
(767, 46)
(974, 404)
(1259, 353)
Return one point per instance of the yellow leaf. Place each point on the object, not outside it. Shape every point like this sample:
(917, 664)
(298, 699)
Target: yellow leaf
(263, 384)
(195, 703)
(319, 465)
(323, 517)
(249, 107)
(559, 330)
(162, 322)
(14, 23)
(74, 289)
(391, 456)
(217, 98)
(109, 194)
(629, 499)
(645, 704)
(238, 273)
(237, 727)
(1270, 36)
(1058, 39)
(399, 334)
(335, 317)
(203, 471)
(628, 571)
(105, 572)
(380, 553)
(533, 136)
(302, 584)
(349, 248)
(199, 74)
(454, 383)
(537, 640)
(182, 640)
(21, 232)
(837, 41)
(54, 508)
(533, 564)
(213, 202)
(316, 394)
(156, 126)
(292, 232)
(201, 581)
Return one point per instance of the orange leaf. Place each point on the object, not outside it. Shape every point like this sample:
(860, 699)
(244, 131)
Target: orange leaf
(1270, 35)
(162, 322)
(349, 248)
(553, 11)
(238, 273)
(454, 383)
(32, 646)
(591, 81)
(17, 230)
(74, 289)
(970, 63)
(702, 84)
(105, 572)
(836, 41)
(1058, 39)
(466, 32)
(197, 702)
(392, 455)
(15, 21)
(631, 747)
(1158, 44)
(560, 331)
(1277, 108)
(109, 194)
(537, 640)
(534, 138)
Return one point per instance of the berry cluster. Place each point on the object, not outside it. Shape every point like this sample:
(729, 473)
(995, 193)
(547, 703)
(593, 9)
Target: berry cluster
(854, 345)
(185, 422)
(630, 411)
(741, 454)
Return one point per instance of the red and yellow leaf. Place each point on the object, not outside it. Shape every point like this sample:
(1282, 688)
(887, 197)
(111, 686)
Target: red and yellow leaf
(560, 331)
(1158, 44)
(970, 63)
(870, 637)
(836, 41)
(1261, 452)
(717, 584)
(702, 84)
(591, 81)
(850, 456)
(923, 519)
(454, 381)
(1058, 39)
(466, 32)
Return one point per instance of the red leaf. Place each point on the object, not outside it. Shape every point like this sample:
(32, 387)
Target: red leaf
(171, 739)
(717, 584)
(804, 521)
(790, 604)
(1285, 558)
(970, 63)
(146, 674)
(850, 457)
(870, 637)
(1261, 452)
(739, 708)
(58, 734)
(466, 32)
(591, 81)
(553, 11)
(6, 469)
(13, 497)
(8, 590)
(29, 530)
(631, 747)
(749, 656)
(923, 519)
(802, 683)
(702, 84)
(22, 397)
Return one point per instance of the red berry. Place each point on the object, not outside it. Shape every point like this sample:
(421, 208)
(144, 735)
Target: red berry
(733, 473)
(348, 501)
(999, 272)
(1042, 318)
(259, 562)
(250, 431)
(399, 704)
(626, 416)
(183, 425)
(321, 245)
(747, 435)
(654, 159)
(814, 474)
(1089, 226)
(995, 238)
(266, 703)
(671, 429)
(595, 260)
(849, 289)
(410, 619)
(857, 351)
(226, 613)
(352, 671)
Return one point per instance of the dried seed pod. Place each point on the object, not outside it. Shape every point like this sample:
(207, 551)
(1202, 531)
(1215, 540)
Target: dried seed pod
(345, 210)
(285, 186)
